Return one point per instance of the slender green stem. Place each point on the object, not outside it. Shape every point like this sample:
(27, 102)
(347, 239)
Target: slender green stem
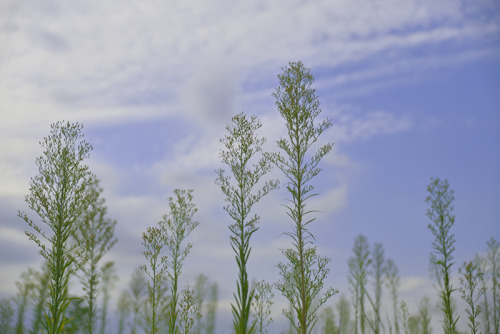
(240, 146)
(303, 275)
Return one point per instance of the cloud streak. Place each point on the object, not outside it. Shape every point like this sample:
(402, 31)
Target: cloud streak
(103, 54)
(187, 67)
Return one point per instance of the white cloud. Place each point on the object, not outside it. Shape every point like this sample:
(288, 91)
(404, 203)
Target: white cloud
(351, 125)
(410, 284)
(10, 274)
(104, 62)
(210, 94)
(339, 159)
(331, 201)
(14, 236)
(63, 57)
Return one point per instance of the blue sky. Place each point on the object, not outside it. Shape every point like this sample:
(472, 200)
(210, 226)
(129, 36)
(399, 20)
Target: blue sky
(412, 88)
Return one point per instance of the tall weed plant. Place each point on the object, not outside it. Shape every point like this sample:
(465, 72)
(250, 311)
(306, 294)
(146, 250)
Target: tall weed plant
(246, 169)
(60, 194)
(304, 272)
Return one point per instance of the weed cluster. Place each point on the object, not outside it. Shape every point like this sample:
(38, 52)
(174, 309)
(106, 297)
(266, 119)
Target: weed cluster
(75, 234)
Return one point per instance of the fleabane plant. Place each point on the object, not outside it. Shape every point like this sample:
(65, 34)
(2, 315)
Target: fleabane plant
(262, 303)
(471, 276)
(241, 146)
(392, 282)
(60, 195)
(189, 311)
(176, 227)
(440, 212)
(359, 265)
(96, 235)
(26, 287)
(304, 273)
(154, 240)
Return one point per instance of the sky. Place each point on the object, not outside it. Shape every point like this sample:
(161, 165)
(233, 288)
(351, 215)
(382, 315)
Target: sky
(412, 89)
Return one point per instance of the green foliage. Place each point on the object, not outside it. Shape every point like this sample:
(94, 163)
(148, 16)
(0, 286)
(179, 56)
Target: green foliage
(137, 297)
(261, 306)
(418, 323)
(206, 296)
(6, 314)
(304, 272)
(176, 227)
(26, 290)
(344, 314)
(42, 289)
(328, 321)
(404, 317)
(200, 287)
(96, 235)
(240, 147)
(313, 276)
(485, 310)
(489, 264)
(74, 235)
(189, 311)
(291, 329)
(154, 239)
(378, 270)
(60, 195)
(440, 212)
(471, 276)
(359, 265)
(108, 277)
(493, 260)
(211, 310)
(123, 307)
(392, 283)
(414, 324)
(77, 312)
(424, 314)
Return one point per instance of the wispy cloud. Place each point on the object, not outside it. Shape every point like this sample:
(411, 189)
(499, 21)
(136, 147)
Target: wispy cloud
(190, 65)
(82, 57)
(351, 124)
